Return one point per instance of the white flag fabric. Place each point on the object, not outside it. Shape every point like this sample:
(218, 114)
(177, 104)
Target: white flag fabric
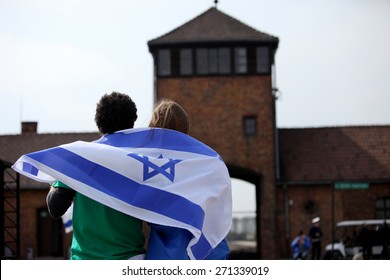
(67, 219)
(158, 175)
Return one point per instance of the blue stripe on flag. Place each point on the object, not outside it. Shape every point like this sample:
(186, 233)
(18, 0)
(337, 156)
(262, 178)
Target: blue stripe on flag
(121, 187)
(198, 249)
(172, 140)
(69, 223)
(29, 168)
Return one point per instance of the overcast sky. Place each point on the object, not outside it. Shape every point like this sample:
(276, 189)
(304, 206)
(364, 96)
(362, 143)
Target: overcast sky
(57, 58)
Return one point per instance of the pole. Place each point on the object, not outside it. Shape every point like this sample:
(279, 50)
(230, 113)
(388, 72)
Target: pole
(333, 187)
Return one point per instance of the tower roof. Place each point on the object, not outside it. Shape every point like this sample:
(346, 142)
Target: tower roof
(213, 26)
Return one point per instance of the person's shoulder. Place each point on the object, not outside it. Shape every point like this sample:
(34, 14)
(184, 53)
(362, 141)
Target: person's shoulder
(59, 184)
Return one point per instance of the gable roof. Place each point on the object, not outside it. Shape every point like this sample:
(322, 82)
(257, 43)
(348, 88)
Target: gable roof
(360, 153)
(213, 26)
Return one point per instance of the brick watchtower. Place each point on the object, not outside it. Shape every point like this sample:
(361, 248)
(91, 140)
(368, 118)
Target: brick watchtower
(220, 71)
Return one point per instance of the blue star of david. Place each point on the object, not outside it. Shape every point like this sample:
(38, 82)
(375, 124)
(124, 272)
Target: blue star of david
(151, 169)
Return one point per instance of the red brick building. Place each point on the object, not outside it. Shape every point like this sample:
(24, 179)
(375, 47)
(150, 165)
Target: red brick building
(335, 173)
(220, 71)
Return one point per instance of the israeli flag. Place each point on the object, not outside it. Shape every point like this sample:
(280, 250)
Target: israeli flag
(157, 175)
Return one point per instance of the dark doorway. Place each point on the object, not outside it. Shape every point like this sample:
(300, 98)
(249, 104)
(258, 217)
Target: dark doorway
(50, 236)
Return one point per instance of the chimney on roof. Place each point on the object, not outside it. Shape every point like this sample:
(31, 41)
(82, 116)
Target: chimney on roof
(29, 127)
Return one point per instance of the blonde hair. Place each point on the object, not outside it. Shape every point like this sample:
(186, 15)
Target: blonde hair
(169, 114)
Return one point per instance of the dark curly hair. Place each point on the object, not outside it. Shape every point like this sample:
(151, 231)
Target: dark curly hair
(115, 111)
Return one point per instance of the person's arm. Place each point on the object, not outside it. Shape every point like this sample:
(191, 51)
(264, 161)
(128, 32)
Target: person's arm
(58, 200)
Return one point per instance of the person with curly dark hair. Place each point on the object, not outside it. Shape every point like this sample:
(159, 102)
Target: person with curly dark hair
(100, 232)
(114, 112)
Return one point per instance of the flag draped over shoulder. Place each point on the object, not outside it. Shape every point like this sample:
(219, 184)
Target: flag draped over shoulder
(158, 175)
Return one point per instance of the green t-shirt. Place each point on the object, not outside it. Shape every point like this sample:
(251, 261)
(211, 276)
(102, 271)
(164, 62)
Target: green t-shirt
(102, 233)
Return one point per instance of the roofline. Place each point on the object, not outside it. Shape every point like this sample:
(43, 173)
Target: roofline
(330, 182)
(48, 134)
(335, 126)
(362, 222)
(209, 43)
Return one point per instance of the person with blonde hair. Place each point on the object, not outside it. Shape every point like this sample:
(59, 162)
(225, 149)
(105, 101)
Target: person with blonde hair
(169, 114)
(167, 242)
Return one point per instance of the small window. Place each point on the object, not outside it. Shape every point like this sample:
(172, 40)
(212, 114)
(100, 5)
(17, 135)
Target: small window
(185, 62)
(164, 62)
(382, 207)
(224, 60)
(250, 125)
(262, 60)
(202, 61)
(240, 60)
(213, 61)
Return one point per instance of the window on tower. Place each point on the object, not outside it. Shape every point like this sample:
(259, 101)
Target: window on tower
(250, 125)
(213, 61)
(164, 62)
(240, 60)
(262, 60)
(224, 60)
(250, 60)
(202, 61)
(185, 62)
